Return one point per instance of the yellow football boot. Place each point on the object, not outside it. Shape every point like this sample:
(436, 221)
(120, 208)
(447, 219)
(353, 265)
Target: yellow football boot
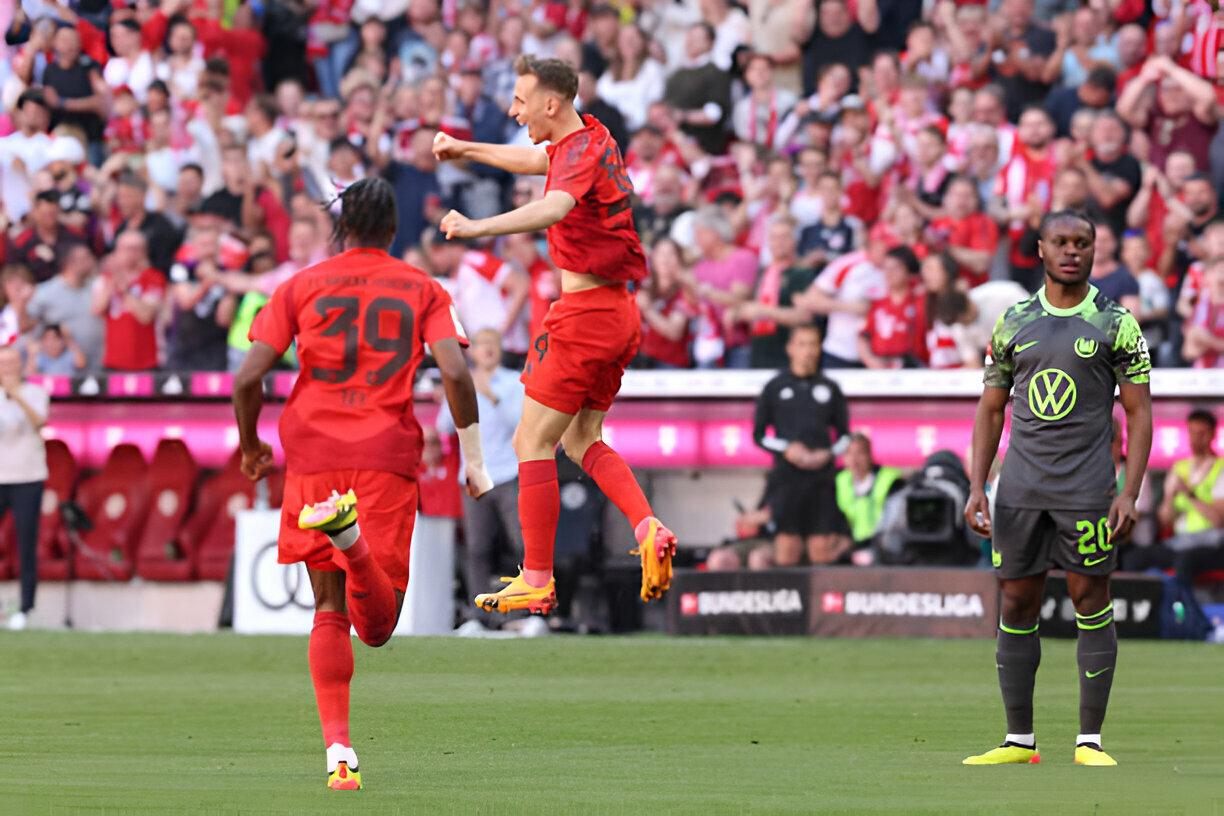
(344, 779)
(1005, 755)
(518, 594)
(331, 515)
(1095, 757)
(656, 546)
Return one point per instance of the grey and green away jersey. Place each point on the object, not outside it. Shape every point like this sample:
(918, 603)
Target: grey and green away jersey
(1062, 366)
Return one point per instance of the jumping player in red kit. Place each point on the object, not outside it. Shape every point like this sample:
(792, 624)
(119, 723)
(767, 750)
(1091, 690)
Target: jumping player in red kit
(574, 367)
(361, 320)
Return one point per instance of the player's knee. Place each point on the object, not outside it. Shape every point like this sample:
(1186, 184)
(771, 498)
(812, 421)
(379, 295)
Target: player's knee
(328, 591)
(1019, 609)
(528, 445)
(762, 558)
(723, 559)
(375, 636)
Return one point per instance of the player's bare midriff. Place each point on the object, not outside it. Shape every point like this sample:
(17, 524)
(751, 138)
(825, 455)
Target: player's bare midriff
(580, 281)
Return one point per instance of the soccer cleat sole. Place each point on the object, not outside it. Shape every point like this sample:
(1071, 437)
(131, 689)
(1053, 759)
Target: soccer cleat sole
(504, 606)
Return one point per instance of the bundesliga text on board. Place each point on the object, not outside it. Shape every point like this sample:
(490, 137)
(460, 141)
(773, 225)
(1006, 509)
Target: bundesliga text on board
(742, 602)
(903, 604)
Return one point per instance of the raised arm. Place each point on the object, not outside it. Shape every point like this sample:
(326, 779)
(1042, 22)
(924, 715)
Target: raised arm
(531, 217)
(522, 161)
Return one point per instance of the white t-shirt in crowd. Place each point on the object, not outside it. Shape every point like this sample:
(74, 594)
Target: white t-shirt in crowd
(137, 74)
(849, 278)
(32, 151)
(481, 298)
(25, 456)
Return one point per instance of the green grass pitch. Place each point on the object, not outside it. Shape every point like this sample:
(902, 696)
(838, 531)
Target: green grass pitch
(127, 724)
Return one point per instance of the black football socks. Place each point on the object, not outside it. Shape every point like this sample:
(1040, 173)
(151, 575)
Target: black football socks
(1097, 656)
(1018, 654)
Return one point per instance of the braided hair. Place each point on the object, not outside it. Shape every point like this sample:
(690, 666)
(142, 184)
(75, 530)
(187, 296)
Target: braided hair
(368, 216)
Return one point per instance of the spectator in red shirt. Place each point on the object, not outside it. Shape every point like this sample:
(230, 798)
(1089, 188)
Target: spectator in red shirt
(667, 310)
(129, 294)
(1175, 109)
(1204, 334)
(894, 332)
(523, 250)
(965, 232)
(949, 313)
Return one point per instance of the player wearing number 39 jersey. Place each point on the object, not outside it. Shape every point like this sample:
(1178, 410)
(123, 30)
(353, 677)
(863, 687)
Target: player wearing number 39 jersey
(361, 321)
(1058, 357)
(574, 366)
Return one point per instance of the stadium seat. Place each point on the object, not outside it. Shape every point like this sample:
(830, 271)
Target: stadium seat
(160, 555)
(54, 549)
(116, 501)
(209, 533)
(53, 559)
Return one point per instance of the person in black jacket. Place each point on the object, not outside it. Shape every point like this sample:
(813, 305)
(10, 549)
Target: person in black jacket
(811, 425)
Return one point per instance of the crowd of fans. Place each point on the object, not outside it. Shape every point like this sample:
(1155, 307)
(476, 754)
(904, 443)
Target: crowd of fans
(874, 167)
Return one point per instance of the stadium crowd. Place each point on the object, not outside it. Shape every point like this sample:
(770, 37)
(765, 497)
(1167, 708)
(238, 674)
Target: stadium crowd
(874, 167)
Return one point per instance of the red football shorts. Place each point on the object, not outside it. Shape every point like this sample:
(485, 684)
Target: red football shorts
(386, 512)
(589, 338)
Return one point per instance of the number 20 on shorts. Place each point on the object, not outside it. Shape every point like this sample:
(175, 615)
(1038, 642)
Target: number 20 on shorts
(1091, 534)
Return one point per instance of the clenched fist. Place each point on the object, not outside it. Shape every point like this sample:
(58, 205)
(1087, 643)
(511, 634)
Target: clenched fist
(448, 148)
(457, 225)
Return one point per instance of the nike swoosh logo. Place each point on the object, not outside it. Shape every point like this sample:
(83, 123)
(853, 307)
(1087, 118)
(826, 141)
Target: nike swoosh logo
(1022, 346)
(1091, 675)
(1092, 562)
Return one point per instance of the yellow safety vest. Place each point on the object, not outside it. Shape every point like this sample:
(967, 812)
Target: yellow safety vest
(1190, 520)
(863, 512)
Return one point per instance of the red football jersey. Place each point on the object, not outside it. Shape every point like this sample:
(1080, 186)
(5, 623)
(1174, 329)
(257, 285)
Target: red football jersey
(597, 237)
(361, 320)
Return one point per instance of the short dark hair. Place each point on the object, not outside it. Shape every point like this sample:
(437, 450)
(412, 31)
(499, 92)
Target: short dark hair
(130, 178)
(1051, 218)
(266, 103)
(553, 75)
(194, 168)
(368, 214)
(907, 258)
(1204, 416)
(1102, 77)
(48, 197)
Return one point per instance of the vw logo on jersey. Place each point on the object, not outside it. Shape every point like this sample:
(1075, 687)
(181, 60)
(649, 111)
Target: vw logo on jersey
(1051, 394)
(821, 393)
(786, 393)
(1085, 347)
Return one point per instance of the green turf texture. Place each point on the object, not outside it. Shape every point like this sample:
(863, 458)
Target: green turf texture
(123, 724)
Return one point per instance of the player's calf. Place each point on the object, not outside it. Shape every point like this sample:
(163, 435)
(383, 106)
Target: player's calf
(370, 597)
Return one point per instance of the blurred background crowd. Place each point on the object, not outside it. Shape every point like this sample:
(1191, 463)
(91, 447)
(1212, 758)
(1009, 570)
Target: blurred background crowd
(873, 167)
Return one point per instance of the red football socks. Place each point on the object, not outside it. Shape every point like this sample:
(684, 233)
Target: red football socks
(371, 598)
(331, 669)
(539, 509)
(617, 482)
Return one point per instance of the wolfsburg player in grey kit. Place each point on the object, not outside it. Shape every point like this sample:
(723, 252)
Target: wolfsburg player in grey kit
(1058, 357)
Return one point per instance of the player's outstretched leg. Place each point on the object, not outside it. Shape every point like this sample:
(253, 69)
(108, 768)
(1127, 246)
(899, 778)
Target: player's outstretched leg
(372, 605)
(656, 544)
(1096, 658)
(331, 670)
(1017, 655)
